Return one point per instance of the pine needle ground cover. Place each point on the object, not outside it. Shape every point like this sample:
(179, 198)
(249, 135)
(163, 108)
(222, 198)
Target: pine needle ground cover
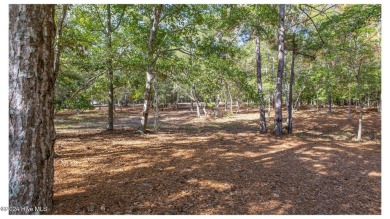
(217, 166)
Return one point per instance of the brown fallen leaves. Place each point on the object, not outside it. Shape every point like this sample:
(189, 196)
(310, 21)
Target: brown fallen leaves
(224, 166)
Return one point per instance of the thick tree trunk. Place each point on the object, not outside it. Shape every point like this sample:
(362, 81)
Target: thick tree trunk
(290, 96)
(31, 107)
(110, 125)
(278, 96)
(263, 124)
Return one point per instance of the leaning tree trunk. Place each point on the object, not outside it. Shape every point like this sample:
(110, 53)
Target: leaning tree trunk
(31, 107)
(278, 96)
(263, 124)
(149, 72)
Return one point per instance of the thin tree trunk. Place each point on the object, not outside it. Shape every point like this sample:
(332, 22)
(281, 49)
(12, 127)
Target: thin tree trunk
(58, 48)
(278, 97)
(237, 106)
(110, 125)
(263, 124)
(349, 105)
(177, 101)
(269, 106)
(147, 98)
(290, 96)
(196, 100)
(156, 110)
(197, 108)
(205, 109)
(230, 97)
(329, 101)
(149, 73)
(216, 107)
(359, 135)
(31, 107)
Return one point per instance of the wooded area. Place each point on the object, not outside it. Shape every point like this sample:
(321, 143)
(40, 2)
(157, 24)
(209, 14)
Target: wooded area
(195, 109)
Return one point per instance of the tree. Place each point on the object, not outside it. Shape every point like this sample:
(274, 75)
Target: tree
(154, 21)
(278, 96)
(31, 108)
(263, 125)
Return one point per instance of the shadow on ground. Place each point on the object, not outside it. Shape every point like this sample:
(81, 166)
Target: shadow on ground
(218, 168)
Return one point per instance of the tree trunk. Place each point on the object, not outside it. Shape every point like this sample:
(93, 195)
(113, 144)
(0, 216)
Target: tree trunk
(156, 110)
(230, 97)
(196, 100)
(329, 102)
(359, 135)
(263, 124)
(290, 96)
(58, 48)
(349, 106)
(31, 107)
(278, 96)
(205, 109)
(269, 106)
(147, 98)
(177, 101)
(216, 107)
(110, 125)
(237, 106)
(155, 19)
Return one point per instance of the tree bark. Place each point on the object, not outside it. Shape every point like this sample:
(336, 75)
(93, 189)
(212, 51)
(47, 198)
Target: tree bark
(263, 124)
(156, 110)
(196, 100)
(110, 125)
(31, 107)
(155, 19)
(290, 96)
(278, 96)
(359, 135)
(329, 102)
(269, 106)
(230, 97)
(147, 98)
(349, 105)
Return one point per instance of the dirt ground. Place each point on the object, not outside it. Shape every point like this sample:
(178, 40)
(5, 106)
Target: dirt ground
(217, 166)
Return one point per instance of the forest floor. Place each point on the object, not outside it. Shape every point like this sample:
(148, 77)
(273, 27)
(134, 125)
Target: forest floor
(217, 166)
